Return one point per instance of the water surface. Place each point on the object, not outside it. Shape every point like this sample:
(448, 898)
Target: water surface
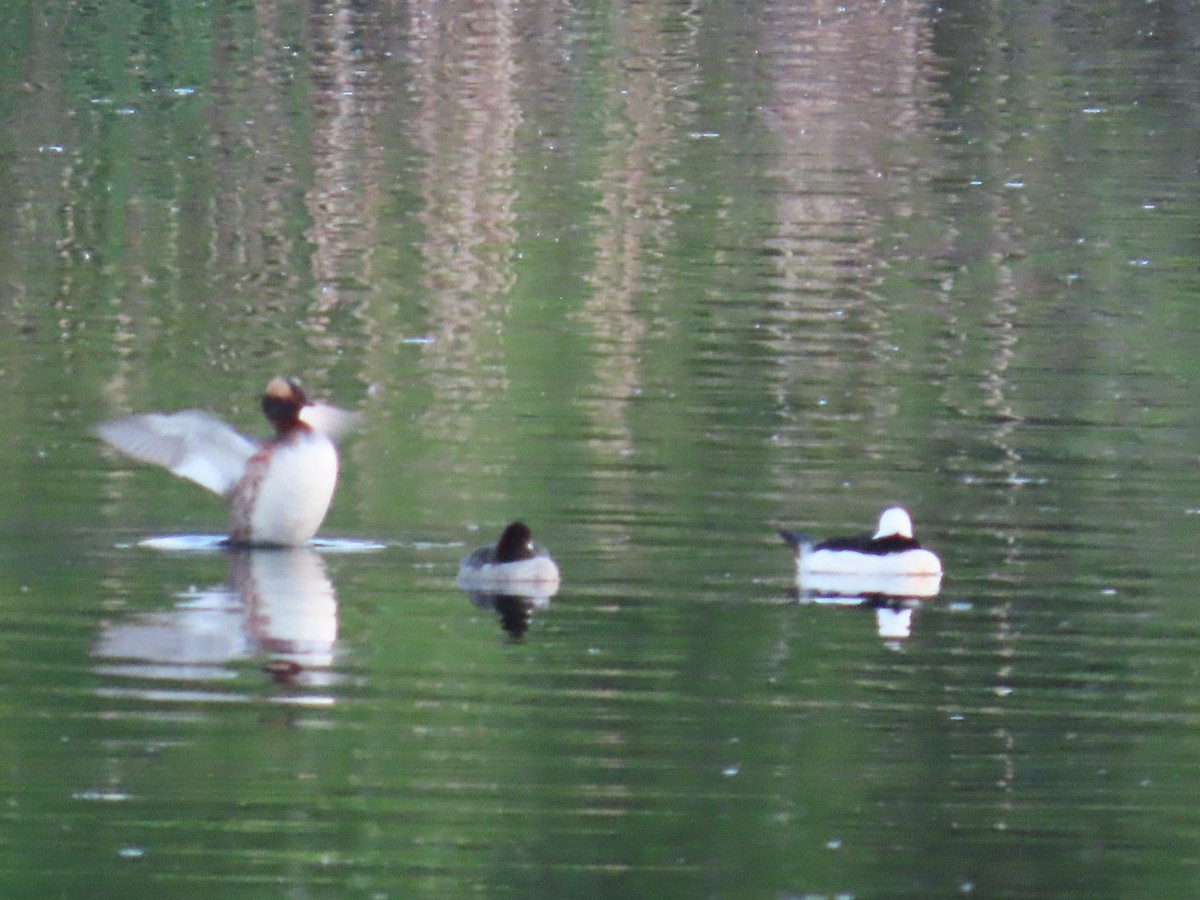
(658, 279)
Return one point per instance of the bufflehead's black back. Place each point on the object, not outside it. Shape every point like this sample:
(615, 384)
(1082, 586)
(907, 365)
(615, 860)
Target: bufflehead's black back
(279, 490)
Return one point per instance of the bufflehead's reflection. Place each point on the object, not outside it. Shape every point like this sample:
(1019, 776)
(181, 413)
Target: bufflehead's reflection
(893, 615)
(514, 577)
(894, 623)
(894, 598)
(277, 604)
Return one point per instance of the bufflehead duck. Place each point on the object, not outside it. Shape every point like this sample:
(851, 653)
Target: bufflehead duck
(891, 552)
(514, 562)
(279, 490)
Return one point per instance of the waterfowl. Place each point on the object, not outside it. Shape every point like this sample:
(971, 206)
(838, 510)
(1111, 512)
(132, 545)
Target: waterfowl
(513, 562)
(891, 552)
(278, 489)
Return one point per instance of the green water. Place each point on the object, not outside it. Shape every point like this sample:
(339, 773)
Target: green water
(659, 279)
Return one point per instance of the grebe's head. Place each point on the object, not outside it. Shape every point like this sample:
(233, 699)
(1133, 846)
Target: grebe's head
(282, 402)
(894, 522)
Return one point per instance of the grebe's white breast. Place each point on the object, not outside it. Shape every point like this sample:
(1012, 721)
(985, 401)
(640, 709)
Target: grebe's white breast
(286, 491)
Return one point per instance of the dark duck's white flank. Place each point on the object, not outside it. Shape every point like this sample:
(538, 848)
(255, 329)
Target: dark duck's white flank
(512, 561)
(279, 490)
(890, 551)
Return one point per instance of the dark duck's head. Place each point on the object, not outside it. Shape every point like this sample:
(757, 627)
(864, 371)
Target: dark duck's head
(515, 543)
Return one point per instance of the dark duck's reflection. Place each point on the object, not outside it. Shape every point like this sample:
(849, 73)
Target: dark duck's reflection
(277, 605)
(514, 578)
(888, 572)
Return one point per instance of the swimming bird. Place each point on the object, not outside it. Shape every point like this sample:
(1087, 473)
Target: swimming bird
(512, 562)
(890, 552)
(278, 489)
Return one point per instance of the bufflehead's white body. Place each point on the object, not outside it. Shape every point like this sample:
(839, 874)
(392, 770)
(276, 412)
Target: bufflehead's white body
(279, 490)
(515, 563)
(890, 553)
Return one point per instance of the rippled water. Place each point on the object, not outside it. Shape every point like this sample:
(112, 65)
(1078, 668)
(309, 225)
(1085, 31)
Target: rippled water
(660, 280)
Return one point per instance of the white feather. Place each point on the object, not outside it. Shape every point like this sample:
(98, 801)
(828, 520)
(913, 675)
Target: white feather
(191, 444)
(328, 420)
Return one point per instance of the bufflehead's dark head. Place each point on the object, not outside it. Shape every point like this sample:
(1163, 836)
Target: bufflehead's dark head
(515, 543)
(282, 402)
(894, 522)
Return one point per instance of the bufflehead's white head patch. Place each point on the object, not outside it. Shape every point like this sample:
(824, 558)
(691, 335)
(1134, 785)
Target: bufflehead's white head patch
(894, 522)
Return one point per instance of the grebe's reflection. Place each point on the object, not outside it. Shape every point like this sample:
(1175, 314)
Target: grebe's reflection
(278, 605)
